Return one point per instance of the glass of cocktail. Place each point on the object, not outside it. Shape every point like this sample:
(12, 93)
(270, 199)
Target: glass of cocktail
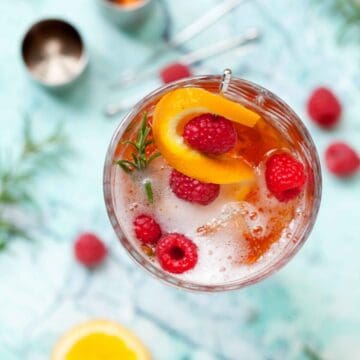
(212, 183)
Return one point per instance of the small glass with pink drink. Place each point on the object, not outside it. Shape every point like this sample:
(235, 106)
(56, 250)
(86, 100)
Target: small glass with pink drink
(212, 183)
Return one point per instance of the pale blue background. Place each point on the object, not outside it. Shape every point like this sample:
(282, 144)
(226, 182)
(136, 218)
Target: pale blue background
(312, 303)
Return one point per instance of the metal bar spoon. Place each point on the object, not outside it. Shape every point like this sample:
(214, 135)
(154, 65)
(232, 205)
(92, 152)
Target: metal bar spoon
(250, 36)
(196, 27)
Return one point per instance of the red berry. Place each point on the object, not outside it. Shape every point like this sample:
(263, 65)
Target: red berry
(341, 159)
(89, 250)
(285, 176)
(173, 72)
(176, 253)
(210, 134)
(192, 190)
(324, 107)
(147, 229)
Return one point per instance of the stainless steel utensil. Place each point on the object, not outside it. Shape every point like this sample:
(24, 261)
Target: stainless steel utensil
(203, 22)
(250, 36)
(220, 47)
(54, 53)
(200, 24)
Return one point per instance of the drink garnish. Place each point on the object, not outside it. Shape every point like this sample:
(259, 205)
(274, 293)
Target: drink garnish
(170, 116)
(285, 176)
(192, 190)
(176, 253)
(146, 229)
(140, 160)
(149, 191)
(210, 134)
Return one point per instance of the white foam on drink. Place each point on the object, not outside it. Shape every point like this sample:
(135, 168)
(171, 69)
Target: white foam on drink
(220, 252)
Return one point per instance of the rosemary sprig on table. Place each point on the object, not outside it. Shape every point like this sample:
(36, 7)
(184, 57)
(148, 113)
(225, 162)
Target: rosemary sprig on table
(311, 354)
(140, 161)
(349, 11)
(18, 175)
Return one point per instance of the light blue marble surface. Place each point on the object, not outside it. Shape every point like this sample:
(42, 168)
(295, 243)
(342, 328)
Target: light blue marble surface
(312, 303)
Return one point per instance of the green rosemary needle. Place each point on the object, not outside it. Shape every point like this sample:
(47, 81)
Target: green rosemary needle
(139, 161)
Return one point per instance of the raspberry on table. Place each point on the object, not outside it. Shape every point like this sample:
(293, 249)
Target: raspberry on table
(176, 253)
(210, 134)
(173, 72)
(324, 107)
(285, 176)
(147, 230)
(341, 159)
(192, 190)
(89, 250)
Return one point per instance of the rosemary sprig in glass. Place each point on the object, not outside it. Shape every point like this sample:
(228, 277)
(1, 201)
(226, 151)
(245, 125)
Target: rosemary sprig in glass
(140, 161)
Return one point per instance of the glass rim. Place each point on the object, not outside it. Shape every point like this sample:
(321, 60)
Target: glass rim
(140, 259)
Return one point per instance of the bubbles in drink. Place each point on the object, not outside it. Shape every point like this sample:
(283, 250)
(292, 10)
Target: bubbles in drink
(244, 212)
(253, 215)
(241, 232)
(257, 230)
(133, 206)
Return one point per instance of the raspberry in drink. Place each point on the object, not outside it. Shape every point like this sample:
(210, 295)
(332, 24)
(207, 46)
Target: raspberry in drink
(212, 183)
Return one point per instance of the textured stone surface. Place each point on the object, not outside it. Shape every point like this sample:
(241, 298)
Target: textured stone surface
(311, 304)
